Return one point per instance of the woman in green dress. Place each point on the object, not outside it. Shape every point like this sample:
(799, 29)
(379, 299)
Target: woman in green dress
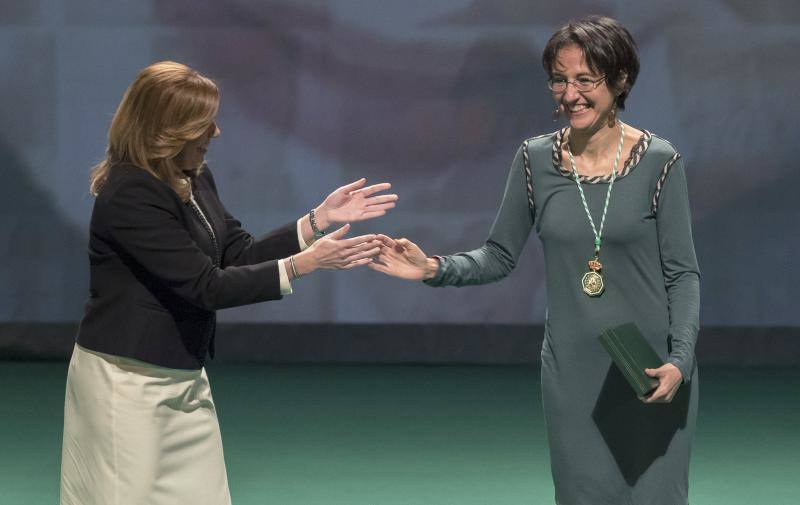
(610, 205)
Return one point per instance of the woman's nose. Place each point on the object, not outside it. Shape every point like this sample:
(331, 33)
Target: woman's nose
(571, 94)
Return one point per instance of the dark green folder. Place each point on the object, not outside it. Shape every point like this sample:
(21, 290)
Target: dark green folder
(631, 352)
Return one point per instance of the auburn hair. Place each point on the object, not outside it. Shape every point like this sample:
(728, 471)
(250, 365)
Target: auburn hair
(166, 106)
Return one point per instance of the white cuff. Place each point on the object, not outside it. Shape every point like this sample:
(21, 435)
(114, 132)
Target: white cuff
(286, 286)
(303, 245)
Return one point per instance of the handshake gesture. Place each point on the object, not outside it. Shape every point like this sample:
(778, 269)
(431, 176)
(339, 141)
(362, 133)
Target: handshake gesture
(404, 259)
(351, 203)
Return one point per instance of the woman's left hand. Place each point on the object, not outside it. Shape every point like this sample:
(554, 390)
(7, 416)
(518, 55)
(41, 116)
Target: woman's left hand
(354, 202)
(669, 380)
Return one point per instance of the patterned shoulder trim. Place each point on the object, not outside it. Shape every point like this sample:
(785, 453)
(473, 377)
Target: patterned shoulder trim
(660, 183)
(634, 157)
(528, 177)
(527, 161)
(558, 143)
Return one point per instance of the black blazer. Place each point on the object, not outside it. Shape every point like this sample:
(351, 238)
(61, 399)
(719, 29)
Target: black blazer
(154, 284)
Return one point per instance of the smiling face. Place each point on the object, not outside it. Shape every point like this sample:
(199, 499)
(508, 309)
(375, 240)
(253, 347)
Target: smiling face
(587, 111)
(193, 153)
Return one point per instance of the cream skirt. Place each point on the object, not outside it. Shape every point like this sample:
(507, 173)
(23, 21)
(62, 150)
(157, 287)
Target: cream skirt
(139, 434)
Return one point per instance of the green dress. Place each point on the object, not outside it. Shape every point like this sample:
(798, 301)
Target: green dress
(606, 446)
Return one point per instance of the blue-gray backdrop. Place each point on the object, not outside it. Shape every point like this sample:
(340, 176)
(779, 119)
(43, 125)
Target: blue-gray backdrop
(432, 96)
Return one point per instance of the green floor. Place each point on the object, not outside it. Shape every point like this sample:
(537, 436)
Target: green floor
(304, 435)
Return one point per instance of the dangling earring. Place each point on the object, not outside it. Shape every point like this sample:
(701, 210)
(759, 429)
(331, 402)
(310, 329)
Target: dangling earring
(556, 114)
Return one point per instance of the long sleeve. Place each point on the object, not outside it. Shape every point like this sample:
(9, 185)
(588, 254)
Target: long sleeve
(141, 218)
(300, 239)
(286, 285)
(283, 276)
(679, 265)
(498, 256)
(239, 247)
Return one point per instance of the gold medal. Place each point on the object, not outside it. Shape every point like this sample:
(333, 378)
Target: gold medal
(592, 281)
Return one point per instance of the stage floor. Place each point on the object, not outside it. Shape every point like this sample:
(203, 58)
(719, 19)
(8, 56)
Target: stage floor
(413, 435)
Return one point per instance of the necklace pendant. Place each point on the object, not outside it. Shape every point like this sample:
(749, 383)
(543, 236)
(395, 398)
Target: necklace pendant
(592, 283)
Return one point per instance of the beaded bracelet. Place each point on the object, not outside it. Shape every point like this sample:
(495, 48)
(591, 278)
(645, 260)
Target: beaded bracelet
(312, 218)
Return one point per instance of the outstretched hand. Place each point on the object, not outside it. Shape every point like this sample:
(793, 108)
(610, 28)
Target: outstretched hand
(404, 259)
(669, 380)
(334, 252)
(354, 202)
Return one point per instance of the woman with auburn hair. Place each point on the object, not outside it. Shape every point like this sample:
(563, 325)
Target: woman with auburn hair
(140, 424)
(603, 191)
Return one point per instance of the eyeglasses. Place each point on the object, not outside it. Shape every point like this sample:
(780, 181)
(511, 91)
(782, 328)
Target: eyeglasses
(582, 85)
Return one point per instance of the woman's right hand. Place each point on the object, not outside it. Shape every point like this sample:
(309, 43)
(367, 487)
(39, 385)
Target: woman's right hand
(404, 259)
(334, 252)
